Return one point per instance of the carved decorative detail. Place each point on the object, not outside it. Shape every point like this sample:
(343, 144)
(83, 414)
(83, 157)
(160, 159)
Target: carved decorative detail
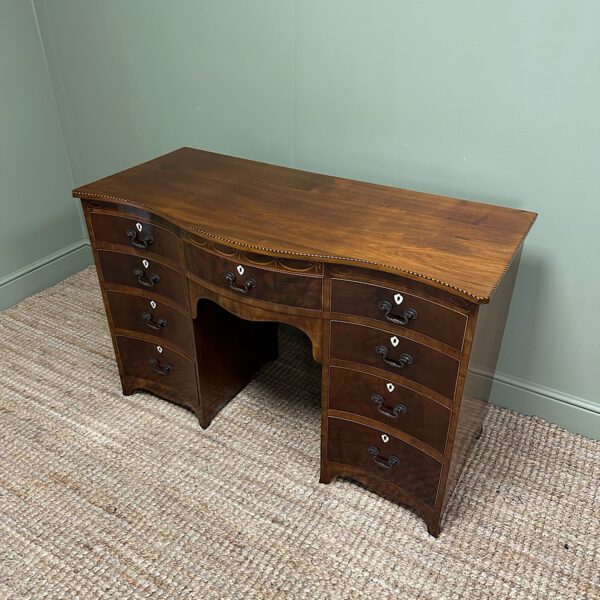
(263, 261)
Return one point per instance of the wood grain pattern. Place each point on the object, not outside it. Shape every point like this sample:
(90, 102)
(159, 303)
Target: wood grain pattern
(432, 319)
(431, 368)
(290, 289)
(119, 268)
(276, 210)
(322, 254)
(133, 313)
(352, 390)
(415, 472)
(154, 241)
(180, 380)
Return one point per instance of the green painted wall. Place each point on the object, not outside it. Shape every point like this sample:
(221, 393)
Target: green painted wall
(496, 101)
(41, 235)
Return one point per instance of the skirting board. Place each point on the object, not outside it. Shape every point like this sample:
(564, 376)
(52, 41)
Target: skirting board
(570, 412)
(44, 273)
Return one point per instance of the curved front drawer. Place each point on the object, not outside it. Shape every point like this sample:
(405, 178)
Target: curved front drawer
(151, 317)
(290, 288)
(389, 403)
(383, 456)
(143, 274)
(153, 240)
(159, 369)
(360, 344)
(399, 308)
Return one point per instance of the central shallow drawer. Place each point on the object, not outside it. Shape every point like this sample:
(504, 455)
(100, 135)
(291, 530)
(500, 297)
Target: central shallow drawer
(383, 456)
(290, 288)
(159, 369)
(388, 351)
(143, 274)
(129, 232)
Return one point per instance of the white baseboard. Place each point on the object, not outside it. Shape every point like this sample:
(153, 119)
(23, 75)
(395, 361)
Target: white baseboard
(44, 273)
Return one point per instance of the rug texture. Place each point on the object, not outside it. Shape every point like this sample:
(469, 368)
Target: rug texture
(105, 496)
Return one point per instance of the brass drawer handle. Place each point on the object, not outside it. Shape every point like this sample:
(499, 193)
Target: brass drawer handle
(410, 314)
(403, 361)
(393, 413)
(157, 368)
(156, 325)
(242, 289)
(146, 281)
(386, 463)
(138, 242)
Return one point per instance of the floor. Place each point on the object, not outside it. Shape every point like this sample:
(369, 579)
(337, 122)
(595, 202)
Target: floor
(105, 496)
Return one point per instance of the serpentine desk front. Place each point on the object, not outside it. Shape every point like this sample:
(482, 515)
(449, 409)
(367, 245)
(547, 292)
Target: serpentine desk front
(403, 295)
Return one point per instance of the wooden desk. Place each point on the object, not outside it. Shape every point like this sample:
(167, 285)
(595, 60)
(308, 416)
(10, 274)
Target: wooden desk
(404, 296)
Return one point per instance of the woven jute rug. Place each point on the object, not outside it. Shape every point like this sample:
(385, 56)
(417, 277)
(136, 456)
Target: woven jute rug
(103, 496)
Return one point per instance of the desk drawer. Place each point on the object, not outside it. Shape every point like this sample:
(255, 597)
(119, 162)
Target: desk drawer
(383, 456)
(153, 240)
(159, 369)
(143, 274)
(399, 308)
(249, 281)
(151, 317)
(385, 350)
(389, 403)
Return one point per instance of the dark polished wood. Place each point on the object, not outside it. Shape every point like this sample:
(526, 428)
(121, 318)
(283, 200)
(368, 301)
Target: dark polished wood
(128, 270)
(158, 365)
(354, 444)
(284, 211)
(230, 350)
(394, 306)
(394, 405)
(403, 296)
(291, 288)
(153, 240)
(145, 315)
(358, 344)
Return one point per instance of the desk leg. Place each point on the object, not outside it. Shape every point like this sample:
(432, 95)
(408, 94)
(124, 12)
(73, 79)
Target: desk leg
(229, 351)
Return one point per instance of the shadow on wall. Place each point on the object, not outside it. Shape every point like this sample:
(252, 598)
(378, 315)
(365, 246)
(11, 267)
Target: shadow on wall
(526, 315)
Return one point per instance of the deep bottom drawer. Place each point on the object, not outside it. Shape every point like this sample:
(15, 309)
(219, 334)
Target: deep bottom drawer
(160, 365)
(383, 456)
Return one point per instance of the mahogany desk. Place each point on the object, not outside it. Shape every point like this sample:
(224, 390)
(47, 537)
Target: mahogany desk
(404, 296)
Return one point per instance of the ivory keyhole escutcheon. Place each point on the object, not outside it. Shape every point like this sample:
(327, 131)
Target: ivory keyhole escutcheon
(394, 341)
(145, 263)
(385, 438)
(152, 304)
(138, 226)
(160, 349)
(398, 298)
(240, 269)
(390, 387)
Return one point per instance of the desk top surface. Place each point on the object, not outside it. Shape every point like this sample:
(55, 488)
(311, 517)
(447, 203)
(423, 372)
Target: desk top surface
(450, 243)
